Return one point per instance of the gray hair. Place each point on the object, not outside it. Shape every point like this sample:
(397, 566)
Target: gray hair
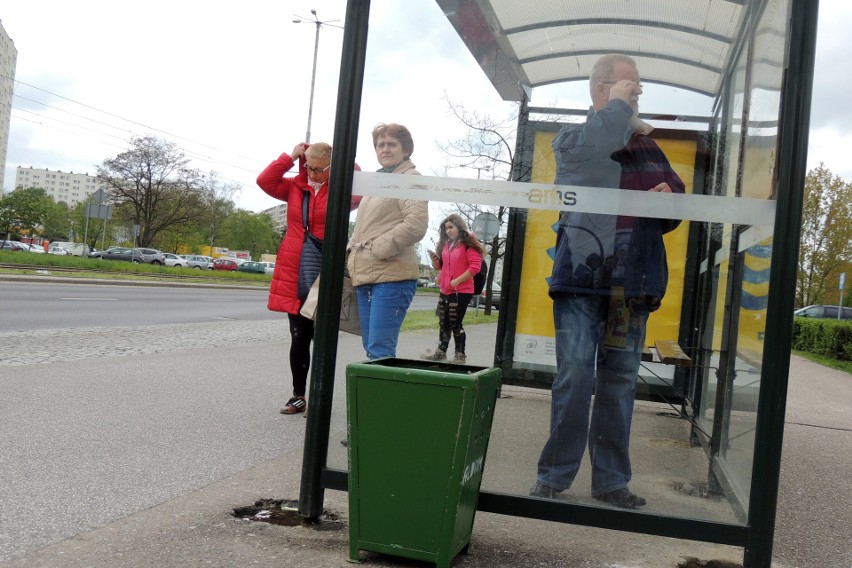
(605, 66)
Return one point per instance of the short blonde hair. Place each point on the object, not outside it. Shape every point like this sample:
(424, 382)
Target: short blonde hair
(319, 151)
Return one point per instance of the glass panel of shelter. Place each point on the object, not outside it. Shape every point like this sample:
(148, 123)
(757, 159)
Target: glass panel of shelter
(690, 444)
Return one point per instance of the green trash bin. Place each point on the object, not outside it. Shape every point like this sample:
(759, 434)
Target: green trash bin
(418, 434)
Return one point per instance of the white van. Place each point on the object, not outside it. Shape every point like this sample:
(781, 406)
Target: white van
(76, 249)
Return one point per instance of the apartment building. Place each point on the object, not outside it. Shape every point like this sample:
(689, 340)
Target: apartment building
(8, 59)
(61, 186)
(279, 216)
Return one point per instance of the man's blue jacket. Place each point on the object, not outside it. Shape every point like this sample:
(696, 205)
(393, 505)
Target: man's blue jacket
(596, 252)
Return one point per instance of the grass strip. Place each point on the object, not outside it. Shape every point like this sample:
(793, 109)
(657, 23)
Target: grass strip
(845, 366)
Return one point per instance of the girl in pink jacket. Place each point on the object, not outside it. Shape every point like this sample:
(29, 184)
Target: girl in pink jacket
(460, 260)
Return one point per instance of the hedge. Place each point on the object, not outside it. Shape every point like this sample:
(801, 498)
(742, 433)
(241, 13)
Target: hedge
(826, 337)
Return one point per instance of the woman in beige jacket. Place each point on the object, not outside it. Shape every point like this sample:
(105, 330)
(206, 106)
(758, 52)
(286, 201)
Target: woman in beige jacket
(382, 262)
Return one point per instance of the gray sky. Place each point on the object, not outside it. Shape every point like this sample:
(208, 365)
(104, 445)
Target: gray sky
(231, 86)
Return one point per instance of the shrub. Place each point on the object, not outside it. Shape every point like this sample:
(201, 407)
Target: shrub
(826, 337)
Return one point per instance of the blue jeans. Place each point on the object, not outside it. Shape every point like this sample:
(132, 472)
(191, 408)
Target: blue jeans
(579, 321)
(381, 308)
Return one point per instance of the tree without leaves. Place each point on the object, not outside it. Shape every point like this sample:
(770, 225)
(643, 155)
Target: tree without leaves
(826, 242)
(151, 186)
(488, 145)
(219, 205)
(488, 142)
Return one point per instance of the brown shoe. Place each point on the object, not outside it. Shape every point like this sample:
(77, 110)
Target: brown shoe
(438, 355)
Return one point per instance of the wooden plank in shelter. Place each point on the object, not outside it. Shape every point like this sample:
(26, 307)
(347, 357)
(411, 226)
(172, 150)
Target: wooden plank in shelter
(670, 353)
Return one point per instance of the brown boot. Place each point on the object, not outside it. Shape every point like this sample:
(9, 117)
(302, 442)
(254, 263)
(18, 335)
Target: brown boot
(438, 355)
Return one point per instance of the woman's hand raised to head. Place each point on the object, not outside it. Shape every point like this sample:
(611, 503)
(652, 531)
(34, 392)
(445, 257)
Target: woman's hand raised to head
(298, 151)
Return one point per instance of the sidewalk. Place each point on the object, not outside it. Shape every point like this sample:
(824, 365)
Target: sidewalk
(198, 529)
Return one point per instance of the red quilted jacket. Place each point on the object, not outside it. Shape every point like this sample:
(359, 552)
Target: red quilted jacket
(282, 291)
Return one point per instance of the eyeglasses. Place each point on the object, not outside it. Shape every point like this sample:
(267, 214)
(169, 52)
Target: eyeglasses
(318, 171)
(641, 84)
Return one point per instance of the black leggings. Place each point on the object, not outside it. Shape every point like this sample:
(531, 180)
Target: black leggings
(301, 335)
(451, 310)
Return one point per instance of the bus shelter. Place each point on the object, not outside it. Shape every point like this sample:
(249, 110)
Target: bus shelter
(726, 88)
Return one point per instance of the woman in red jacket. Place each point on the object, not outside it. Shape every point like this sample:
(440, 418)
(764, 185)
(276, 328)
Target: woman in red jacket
(310, 183)
(460, 260)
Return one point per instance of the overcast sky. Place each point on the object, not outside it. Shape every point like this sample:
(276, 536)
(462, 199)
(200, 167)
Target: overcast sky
(231, 85)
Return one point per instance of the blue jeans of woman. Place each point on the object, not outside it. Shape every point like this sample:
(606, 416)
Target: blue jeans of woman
(579, 321)
(381, 309)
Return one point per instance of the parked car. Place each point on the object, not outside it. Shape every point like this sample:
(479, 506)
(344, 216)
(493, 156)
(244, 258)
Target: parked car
(252, 267)
(152, 256)
(824, 312)
(14, 246)
(268, 267)
(210, 260)
(495, 297)
(174, 260)
(38, 249)
(120, 253)
(225, 264)
(196, 261)
(59, 251)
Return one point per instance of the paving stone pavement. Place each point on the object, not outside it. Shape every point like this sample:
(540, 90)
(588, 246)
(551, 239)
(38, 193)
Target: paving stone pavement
(75, 344)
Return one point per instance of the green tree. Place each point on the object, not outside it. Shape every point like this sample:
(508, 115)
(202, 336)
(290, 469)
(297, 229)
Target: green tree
(24, 211)
(152, 186)
(254, 232)
(826, 243)
(57, 221)
(93, 233)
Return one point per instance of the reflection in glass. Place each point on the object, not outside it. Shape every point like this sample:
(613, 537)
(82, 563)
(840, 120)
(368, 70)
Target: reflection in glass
(690, 428)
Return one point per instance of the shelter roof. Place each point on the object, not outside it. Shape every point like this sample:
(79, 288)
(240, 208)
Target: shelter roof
(521, 45)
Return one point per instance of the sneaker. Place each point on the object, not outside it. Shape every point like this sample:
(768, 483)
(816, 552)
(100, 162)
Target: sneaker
(295, 405)
(438, 355)
(541, 490)
(460, 358)
(622, 498)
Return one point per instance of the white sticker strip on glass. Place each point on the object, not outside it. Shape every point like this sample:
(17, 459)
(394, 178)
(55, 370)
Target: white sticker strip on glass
(706, 208)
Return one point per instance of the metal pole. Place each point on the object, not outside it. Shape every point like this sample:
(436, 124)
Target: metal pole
(324, 357)
(313, 81)
(792, 169)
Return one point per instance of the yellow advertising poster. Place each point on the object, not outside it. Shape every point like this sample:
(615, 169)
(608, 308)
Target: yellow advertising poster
(534, 332)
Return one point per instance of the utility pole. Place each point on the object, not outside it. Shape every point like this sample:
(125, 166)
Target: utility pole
(314, 20)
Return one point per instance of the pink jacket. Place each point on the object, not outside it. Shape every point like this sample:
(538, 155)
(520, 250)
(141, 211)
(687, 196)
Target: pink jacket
(454, 261)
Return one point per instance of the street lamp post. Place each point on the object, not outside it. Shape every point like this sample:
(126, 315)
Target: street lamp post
(319, 24)
(479, 169)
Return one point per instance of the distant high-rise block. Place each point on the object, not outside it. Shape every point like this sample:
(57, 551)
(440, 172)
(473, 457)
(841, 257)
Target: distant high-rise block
(8, 58)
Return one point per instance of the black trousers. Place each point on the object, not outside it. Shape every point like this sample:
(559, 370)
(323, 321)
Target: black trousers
(301, 335)
(451, 310)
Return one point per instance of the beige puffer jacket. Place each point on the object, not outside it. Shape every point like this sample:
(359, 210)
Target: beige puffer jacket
(386, 230)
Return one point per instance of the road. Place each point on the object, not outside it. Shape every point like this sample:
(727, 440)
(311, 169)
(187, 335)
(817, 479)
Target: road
(27, 306)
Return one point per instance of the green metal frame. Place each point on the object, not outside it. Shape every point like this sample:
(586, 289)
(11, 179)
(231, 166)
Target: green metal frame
(756, 535)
